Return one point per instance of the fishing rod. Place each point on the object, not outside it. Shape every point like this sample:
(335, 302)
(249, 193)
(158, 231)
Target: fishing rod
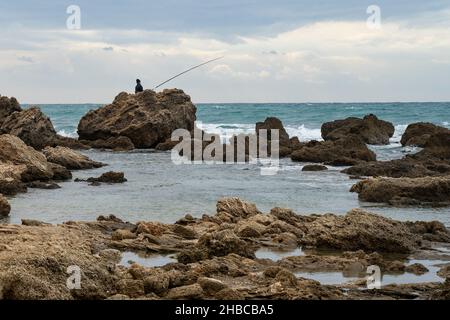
(186, 71)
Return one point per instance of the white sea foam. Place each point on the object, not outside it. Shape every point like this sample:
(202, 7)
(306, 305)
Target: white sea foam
(227, 130)
(446, 123)
(64, 133)
(399, 131)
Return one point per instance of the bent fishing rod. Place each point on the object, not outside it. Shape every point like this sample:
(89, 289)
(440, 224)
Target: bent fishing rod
(186, 71)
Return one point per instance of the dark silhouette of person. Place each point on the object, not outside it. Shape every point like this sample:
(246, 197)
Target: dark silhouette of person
(139, 87)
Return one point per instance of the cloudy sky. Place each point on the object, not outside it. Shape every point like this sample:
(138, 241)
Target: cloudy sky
(274, 51)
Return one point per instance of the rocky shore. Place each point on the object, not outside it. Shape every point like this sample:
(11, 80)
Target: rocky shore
(215, 257)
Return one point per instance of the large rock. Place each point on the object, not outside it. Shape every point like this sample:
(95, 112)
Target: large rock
(405, 191)
(346, 150)
(360, 230)
(32, 126)
(7, 107)
(147, 118)
(370, 129)
(437, 147)
(417, 134)
(70, 159)
(5, 208)
(273, 123)
(14, 151)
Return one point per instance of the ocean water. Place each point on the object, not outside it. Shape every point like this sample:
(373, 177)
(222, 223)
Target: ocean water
(157, 189)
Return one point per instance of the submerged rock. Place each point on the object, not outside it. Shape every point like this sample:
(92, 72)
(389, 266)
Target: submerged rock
(120, 143)
(70, 159)
(405, 191)
(146, 118)
(417, 134)
(369, 129)
(107, 177)
(351, 148)
(314, 167)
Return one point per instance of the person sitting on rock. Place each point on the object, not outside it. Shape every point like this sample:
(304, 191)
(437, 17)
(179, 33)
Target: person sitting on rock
(139, 87)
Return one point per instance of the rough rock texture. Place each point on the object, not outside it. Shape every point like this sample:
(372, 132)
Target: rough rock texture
(34, 165)
(405, 191)
(5, 208)
(7, 107)
(10, 179)
(417, 134)
(350, 149)
(360, 230)
(370, 129)
(146, 118)
(215, 261)
(70, 159)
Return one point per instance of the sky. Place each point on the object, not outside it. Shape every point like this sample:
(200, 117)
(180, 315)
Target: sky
(273, 51)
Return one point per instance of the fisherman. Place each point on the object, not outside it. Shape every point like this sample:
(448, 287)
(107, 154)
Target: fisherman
(139, 87)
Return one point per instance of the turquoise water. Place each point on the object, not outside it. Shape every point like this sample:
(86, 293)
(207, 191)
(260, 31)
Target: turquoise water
(157, 189)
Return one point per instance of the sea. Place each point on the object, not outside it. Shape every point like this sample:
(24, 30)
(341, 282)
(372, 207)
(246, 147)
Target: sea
(160, 190)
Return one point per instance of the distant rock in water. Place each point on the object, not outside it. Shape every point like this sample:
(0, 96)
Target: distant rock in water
(417, 134)
(314, 167)
(343, 151)
(433, 191)
(107, 177)
(369, 129)
(146, 118)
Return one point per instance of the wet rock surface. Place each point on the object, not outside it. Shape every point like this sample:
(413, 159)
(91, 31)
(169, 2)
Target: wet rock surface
(428, 191)
(107, 177)
(216, 257)
(369, 129)
(417, 134)
(147, 118)
(349, 150)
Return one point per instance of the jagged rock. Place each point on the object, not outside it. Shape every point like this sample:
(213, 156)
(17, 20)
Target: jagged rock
(273, 123)
(69, 158)
(34, 223)
(7, 107)
(235, 208)
(417, 134)
(416, 268)
(146, 118)
(436, 147)
(405, 191)
(314, 167)
(14, 151)
(329, 151)
(48, 185)
(31, 126)
(211, 286)
(5, 207)
(360, 230)
(370, 129)
(59, 172)
(193, 291)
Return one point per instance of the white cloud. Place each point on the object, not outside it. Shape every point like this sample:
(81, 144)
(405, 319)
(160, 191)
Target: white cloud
(330, 60)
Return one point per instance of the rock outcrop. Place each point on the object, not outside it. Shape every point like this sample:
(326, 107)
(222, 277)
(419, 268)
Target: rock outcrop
(433, 160)
(417, 134)
(345, 151)
(7, 107)
(70, 159)
(434, 191)
(146, 118)
(369, 129)
(107, 177)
